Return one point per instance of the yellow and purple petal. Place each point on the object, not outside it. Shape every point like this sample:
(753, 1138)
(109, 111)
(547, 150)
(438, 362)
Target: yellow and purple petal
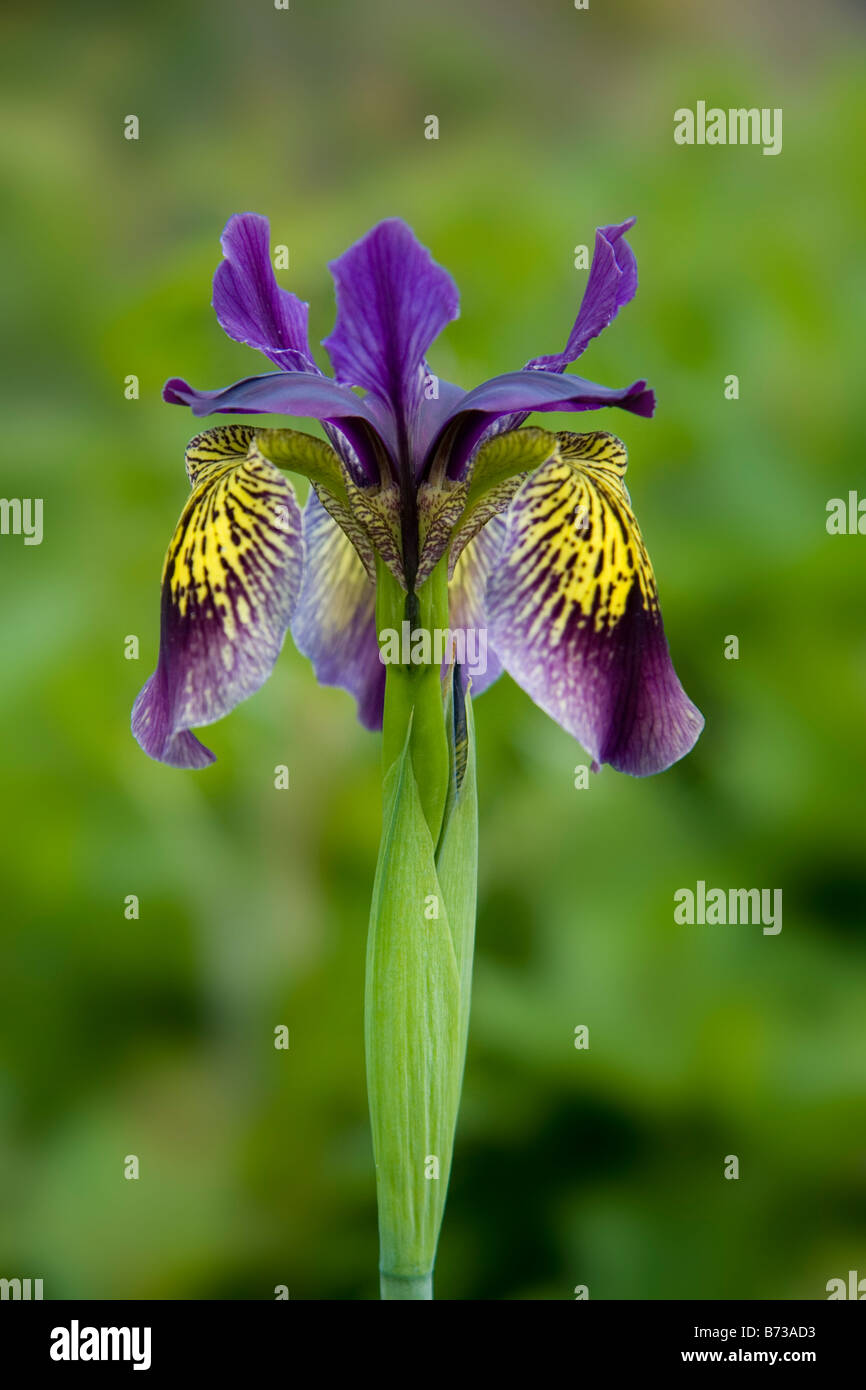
(574, 612)
(230, 582)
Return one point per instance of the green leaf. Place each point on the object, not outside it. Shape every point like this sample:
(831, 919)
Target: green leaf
(412, 1033)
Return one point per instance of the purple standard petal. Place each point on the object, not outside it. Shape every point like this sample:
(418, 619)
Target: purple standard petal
(335, 620)
(574, 613)
(612, 283)
(231, 580)
(250, 305)
(291, 393)
(392, 301)
(524, 392)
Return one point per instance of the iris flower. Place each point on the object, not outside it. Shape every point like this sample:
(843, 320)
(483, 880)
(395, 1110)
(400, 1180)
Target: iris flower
(428, 505)
(543, 549)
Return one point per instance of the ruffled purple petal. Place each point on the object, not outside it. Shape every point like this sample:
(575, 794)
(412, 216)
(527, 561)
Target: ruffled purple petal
(612, 283)
(231, 580)
(250, 305)
(392, 301)
(335, 620)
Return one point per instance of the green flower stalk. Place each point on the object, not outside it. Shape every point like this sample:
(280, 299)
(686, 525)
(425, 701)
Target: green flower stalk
(419, 952)
(434, 513)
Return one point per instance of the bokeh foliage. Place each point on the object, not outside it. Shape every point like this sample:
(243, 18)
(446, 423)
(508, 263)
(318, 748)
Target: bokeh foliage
(154, 1037)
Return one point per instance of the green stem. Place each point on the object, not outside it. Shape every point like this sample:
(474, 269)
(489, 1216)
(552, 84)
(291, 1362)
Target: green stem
(419, 949)
(414, 691)
(418, 1287)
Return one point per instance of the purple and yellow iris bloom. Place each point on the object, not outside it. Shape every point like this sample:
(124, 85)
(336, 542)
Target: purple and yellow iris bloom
(542, 547)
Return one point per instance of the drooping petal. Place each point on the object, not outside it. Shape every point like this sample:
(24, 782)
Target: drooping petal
(335, 620)
(524, 392)
(250, 305)
(467, 604)
(574, 612)
(612, 283)
(230, 582)
(392, 301)
(291, 393)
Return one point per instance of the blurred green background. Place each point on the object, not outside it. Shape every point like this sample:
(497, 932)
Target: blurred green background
(154, 1037)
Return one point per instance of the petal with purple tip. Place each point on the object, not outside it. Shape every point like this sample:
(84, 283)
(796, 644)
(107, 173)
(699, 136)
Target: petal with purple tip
(574, 612)
(335, 620)
(230, 582)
